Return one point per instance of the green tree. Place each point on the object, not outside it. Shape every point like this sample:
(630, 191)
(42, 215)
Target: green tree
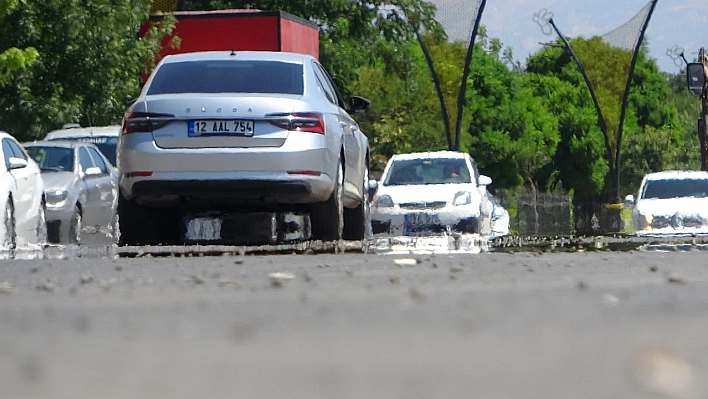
(581, 140)
(90, 62)
(13, 59)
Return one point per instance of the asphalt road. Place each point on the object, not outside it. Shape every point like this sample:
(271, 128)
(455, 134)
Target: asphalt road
(489, 325)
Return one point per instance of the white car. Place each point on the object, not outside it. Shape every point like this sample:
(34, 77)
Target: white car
(21, 198)
(671, 202)
(431, 192)
(104, 137)
(246, 131)
(81, 189)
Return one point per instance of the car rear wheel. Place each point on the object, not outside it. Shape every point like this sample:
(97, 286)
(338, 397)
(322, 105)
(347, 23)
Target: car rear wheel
(131, 222)
(357, 220)
(10, 241)
(142, 225)
(75, 226)
(327, 218)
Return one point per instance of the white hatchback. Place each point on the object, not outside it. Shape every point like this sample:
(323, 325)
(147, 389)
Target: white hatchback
(241, 131)
(431, 192)
(21, 198)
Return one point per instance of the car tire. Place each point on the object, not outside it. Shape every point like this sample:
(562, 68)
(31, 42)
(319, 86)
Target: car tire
(75, 225)
(131, 222)
(165, 227)
(42, 232)
(327, 218)
(114, 228)
(10, 240)
(357, 220)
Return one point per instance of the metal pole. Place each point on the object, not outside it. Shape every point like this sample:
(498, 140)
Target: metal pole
(461, 99)
(625, 100)
(600, 118)
(438, 88)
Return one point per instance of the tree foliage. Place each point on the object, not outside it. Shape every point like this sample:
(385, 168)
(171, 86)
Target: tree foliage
(13, 59)
(89, 62)
(582, 159)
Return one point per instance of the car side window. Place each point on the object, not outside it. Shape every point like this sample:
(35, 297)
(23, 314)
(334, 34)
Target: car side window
(324, 84)
(84, 159)
(6, 152)
(475, 172)
(338, 96)
(17, 151)
(98, 161)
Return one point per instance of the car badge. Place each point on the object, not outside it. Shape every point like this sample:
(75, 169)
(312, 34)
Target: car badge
(250, 110)
(188, 110)
(235, 110)
(203, 109)
(218, 110)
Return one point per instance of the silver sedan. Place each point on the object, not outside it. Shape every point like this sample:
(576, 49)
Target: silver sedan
(241, 131)
(80, 189)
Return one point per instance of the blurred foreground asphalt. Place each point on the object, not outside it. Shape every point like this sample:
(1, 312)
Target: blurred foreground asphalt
(490, 325)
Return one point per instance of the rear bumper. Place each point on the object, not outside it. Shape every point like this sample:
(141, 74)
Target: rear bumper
(295, 173)
(231, 190)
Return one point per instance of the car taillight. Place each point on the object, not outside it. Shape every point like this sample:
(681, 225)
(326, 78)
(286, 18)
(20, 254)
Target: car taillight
(311, 122)
(135, 122)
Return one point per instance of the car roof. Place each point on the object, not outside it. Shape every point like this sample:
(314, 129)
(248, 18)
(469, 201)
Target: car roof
(58, 143)
(237, 55)
(677, 174)
(73, 132)
(433, 154)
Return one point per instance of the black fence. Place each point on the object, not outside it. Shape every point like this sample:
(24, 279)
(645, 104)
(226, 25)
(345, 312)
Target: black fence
(556, 214)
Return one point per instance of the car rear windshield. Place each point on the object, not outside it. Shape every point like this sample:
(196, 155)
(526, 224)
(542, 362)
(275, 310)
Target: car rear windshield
(675, 188)
(270, 77)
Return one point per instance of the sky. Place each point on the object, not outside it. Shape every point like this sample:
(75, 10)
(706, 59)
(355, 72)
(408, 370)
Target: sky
(682, 23)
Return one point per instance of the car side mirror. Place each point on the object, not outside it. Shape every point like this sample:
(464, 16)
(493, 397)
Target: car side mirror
(485, 180)
(629, 200)
(17, 163)
(696, 76)
(358, 105)
(92, 172)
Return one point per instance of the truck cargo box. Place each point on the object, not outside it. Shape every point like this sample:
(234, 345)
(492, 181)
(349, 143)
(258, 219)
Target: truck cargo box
(240, 30)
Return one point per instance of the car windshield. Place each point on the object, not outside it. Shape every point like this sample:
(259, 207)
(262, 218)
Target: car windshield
(675, 188)
(271, 77)
(428, 171)
(106, 144)
(53, 159)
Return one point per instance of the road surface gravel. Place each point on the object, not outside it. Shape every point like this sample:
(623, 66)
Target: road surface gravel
(489, 325)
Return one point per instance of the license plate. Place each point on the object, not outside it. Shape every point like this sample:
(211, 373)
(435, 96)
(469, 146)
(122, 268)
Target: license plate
(220, 127)
(420, 222)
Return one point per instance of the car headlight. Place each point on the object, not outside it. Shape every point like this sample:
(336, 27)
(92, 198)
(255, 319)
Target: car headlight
(55, 196)
(384, 201)
(644, 221)
(462, 198)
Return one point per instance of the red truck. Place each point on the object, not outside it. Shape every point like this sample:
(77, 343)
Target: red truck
(240, 30)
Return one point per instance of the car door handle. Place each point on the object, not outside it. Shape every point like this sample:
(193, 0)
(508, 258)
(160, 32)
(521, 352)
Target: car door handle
(343, 124)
